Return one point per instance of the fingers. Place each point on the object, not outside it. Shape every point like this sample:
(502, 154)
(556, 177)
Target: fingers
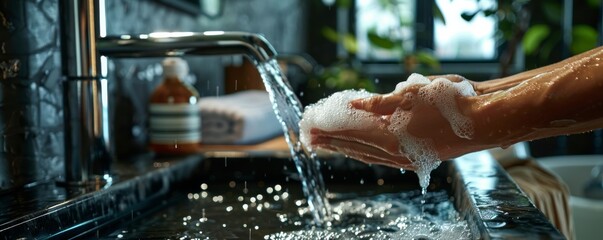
(380, 104)
(366, 158)
(381, 139)
(365, 152)
(386, 104)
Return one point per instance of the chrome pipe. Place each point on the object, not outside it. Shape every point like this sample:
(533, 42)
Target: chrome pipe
(85, 114)
(79, 26)
(165, 44)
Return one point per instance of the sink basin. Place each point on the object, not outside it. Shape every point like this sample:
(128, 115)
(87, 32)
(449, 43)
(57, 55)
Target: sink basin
(575, 171)
(144, 206)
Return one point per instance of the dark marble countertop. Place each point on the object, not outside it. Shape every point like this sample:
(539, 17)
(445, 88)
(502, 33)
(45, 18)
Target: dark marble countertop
(484, 193)
(50, 210)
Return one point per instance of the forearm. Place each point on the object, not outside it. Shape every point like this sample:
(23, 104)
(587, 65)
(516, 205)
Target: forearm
(511, 81)
(563, 98)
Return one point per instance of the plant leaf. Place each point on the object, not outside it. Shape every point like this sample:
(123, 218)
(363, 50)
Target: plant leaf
(344, 3)
(437, 13)
(553, 11)
(469, 16)
(428, 59)
(584, 38)
(594, 3)
(330, 34)
(548, 45)
(350, 44)
(489, 12)
(534, 36)
(379, 41)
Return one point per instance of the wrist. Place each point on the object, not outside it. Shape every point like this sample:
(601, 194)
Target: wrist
(480, 111)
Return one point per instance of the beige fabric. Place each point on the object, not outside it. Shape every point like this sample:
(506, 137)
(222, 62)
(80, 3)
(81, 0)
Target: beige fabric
(546, 191)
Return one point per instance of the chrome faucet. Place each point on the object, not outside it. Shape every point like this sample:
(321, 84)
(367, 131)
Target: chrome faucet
(88, 147)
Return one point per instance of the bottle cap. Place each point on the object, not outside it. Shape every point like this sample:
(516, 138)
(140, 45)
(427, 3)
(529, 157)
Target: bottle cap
(175, 67)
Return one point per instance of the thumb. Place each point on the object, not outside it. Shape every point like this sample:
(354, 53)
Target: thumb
(380, 104)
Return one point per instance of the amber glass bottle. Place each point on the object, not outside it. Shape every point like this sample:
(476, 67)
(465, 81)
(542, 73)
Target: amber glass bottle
(175, 119)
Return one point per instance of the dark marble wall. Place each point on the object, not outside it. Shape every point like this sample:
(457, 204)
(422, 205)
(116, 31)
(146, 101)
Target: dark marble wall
(31, 116)
(31, 125)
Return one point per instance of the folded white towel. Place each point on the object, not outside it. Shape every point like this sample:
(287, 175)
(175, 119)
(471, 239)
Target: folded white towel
(240, 118)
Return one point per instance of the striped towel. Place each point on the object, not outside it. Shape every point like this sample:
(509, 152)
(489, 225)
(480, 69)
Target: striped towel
(240, 118)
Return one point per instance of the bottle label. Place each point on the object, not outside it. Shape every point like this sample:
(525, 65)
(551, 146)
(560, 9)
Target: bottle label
(175, 123)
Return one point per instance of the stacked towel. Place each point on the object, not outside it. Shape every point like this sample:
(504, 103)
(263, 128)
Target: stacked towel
(546, 190)
(240, 118)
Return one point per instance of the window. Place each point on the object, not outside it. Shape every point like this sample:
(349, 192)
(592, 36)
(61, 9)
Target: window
(394, 19)
(457, 40)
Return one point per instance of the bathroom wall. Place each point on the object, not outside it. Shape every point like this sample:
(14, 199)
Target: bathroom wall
(31, 124)
(31, 116)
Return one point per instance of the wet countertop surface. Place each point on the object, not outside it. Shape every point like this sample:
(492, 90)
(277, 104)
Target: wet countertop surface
(49, 210)
(482, 191)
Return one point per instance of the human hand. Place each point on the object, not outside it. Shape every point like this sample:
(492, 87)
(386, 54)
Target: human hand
(374, 143)
(409, 128)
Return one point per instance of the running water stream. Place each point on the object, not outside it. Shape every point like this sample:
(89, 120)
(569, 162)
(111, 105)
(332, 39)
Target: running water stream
(289, 110)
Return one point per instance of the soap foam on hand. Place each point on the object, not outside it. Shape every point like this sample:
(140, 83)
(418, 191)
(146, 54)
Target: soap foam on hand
(440, 93)
(335, 113)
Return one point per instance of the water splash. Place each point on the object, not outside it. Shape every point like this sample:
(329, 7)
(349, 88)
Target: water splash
(360, 215)
(387, 216)
(288, 110)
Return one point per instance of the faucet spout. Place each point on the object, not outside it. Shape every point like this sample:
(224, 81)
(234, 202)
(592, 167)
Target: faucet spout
(163, 44)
